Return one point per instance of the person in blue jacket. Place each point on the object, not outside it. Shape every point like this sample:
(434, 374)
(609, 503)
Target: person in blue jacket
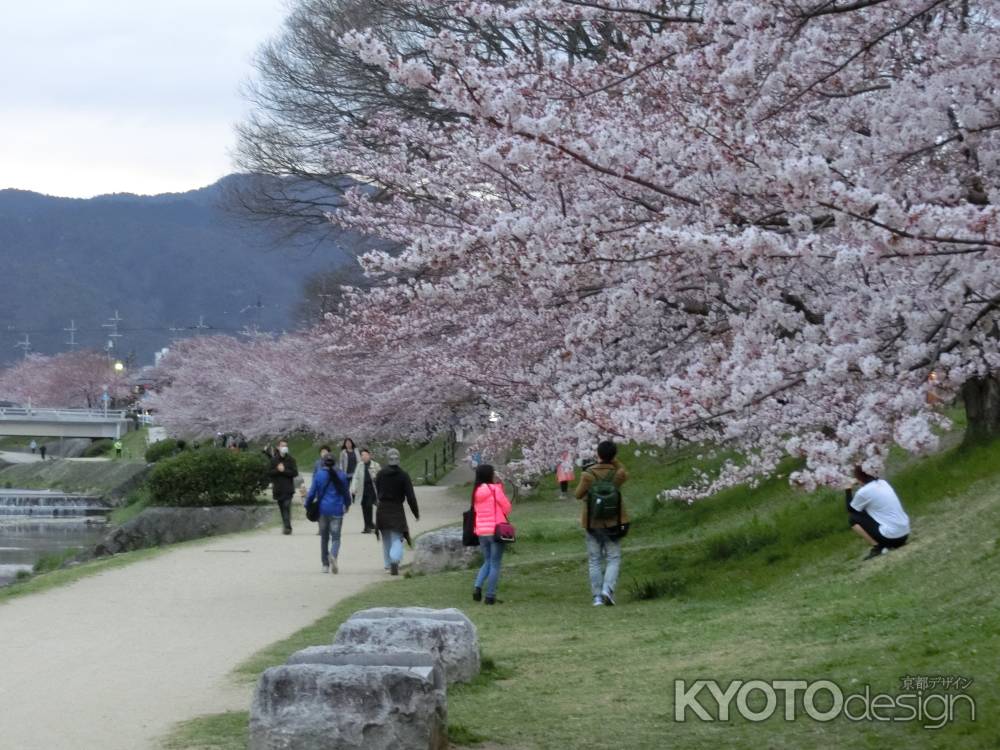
(329, 488)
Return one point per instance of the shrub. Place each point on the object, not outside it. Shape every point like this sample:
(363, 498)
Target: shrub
(163, 449)
(740, 542)
(98, 448)
(209, 477)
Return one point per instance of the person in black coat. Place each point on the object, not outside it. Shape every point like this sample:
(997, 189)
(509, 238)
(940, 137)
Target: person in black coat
(393, 486)
(283, 473)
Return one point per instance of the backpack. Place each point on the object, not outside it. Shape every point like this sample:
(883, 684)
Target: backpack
(604, 499)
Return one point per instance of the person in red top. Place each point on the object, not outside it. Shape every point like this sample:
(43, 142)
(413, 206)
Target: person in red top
(491, 506)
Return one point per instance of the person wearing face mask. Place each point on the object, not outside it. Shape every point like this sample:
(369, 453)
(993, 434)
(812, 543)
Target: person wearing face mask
(283, 473)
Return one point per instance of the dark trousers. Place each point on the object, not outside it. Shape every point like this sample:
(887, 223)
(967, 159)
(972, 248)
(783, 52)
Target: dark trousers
(285, 506)
(870, 525)
(366, 511)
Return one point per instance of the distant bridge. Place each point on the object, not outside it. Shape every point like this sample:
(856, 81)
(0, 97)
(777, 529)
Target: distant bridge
(70, 423)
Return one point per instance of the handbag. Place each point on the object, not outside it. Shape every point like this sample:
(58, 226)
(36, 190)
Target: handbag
(312, 509)
(469, 536)
(504, 531)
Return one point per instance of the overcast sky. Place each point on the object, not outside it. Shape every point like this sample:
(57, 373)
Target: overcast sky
(102, 96)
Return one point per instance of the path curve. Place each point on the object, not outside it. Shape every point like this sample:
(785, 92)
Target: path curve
(115, 660)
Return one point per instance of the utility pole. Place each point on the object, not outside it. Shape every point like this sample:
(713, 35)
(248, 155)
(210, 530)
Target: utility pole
(201, 324)
(113, 325)
(72, 343)
(25, 345)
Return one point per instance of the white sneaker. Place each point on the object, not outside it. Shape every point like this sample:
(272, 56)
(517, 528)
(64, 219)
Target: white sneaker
(598, 601)
(326, 568)
(609, 601)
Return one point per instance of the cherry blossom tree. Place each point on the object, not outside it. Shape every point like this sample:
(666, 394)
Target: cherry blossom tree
(762, 226)
(74, 379)
(756, 224)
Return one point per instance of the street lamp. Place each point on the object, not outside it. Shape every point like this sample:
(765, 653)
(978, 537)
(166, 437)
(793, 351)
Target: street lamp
(119, 367)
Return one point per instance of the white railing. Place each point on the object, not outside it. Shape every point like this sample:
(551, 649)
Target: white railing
(61, 415)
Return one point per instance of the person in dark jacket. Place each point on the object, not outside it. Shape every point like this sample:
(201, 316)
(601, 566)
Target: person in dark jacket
(392, 487)
(283, 473)
(329, 489)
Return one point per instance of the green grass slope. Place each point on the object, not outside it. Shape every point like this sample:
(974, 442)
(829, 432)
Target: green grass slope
(765, 584)
(113, 479)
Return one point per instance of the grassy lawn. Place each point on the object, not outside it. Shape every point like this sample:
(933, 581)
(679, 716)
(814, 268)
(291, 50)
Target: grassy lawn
(763, 584)
(19, 443)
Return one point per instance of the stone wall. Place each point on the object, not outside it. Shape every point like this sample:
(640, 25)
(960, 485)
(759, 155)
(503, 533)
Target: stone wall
(155, 527)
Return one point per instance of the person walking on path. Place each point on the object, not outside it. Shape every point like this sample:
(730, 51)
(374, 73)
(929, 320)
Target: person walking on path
(565, 473)
(283, 473)
(118, 449)
(363, 488)
(34, 446)
(876, 514)
(41, 450)
(329, 489)
(605, 521)
(492, 507)
(324, 451)
(392, 487)
(350, 457)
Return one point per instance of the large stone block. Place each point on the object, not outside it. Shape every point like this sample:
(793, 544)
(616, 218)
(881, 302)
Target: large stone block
(443, 550)
(450, 637)
(408, 613)
(322, 707)
(368, 656)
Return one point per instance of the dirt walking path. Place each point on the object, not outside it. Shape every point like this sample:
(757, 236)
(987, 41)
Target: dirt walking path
(114, 660)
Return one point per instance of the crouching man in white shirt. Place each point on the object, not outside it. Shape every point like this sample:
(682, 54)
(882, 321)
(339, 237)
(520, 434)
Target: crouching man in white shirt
(876, 515)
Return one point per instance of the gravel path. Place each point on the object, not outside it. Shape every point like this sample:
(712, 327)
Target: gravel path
(114, 660)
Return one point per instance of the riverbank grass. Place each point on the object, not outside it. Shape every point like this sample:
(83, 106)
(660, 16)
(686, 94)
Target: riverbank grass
(752, 584)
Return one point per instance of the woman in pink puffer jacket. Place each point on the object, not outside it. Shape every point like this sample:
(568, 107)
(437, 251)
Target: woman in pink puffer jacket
(491, 506)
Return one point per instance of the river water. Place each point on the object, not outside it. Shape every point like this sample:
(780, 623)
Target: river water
(34, 523)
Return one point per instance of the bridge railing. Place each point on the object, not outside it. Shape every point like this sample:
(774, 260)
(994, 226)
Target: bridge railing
(61, 415)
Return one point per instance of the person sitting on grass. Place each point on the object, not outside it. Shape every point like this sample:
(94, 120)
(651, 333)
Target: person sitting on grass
(876, 515)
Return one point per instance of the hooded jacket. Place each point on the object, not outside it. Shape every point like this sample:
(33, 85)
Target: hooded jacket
(334, 499)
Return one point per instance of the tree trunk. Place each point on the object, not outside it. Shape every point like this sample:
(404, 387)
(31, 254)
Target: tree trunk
(982, 408)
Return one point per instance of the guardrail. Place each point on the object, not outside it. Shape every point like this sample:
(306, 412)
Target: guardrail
(62, 415)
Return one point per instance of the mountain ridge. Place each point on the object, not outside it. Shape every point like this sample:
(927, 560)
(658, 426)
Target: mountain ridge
(169, 264)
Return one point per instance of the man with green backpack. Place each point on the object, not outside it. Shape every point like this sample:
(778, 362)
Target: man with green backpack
(605, 520)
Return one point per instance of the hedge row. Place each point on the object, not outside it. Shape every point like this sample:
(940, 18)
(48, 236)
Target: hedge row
(209, 476)
(164, 449)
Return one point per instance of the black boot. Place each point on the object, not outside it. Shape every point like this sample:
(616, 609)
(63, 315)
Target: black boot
(477, 594)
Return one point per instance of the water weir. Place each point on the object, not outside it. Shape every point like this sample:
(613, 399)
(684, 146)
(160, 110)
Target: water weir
(34, 523)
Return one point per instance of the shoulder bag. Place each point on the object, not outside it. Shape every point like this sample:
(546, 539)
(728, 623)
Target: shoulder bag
(505, 531)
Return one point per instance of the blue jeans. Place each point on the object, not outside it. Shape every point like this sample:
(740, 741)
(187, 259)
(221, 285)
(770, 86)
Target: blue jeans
(602, 548)
(392, 547)
(329, 537)
(490, 572)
